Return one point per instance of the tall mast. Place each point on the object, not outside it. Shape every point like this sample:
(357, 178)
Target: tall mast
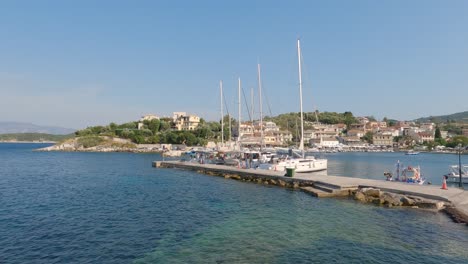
(301, 145)
(230, 129)
(297, 131)
(316, 116)
(239, 121)
(222, 113)
(260, 100)
(251, 104)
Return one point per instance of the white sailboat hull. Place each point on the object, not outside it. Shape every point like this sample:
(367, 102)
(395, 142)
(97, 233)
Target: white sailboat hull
(300, 165)
(454, 176)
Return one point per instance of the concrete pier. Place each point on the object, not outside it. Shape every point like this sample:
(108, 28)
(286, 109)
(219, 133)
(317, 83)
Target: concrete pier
(454, 200)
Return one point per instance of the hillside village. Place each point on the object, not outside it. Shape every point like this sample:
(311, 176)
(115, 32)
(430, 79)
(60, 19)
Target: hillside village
(329, 132)
(362, 133)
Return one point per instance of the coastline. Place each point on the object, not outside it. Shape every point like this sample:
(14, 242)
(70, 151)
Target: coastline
(122, 145)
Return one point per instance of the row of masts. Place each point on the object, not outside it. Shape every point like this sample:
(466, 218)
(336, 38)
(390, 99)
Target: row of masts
(239, 88)
(301, 144)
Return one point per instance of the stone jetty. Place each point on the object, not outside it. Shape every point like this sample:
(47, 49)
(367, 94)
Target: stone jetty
(453, 201)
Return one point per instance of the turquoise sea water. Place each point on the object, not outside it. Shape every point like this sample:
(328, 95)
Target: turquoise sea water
(116, 208)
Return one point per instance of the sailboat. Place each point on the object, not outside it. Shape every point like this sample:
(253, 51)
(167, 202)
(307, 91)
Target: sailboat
(302, 163)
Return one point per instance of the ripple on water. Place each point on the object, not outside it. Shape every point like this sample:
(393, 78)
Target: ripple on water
(115, 208)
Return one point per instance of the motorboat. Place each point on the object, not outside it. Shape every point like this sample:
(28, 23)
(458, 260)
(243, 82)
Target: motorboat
(410, 174)
(454, 174)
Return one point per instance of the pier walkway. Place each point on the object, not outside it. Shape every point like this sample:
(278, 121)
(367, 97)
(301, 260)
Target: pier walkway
(314, 182)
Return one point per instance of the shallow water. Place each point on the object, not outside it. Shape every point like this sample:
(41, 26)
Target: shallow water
(116, 208)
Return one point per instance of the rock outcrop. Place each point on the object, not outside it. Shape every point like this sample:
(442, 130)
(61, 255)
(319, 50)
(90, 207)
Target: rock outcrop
(109, 144)
(388, 199)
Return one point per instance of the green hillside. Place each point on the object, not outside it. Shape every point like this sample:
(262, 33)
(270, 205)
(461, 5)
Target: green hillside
(461, 117)
(34, 137)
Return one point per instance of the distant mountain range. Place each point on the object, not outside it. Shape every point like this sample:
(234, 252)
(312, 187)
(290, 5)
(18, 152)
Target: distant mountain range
(16, 127)
(461, 117)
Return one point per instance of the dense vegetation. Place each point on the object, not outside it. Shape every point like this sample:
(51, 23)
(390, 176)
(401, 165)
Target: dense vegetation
(157, 131)
(34, 137)
(461, 117)
(160, 131)
(90, 141)
(291, 121)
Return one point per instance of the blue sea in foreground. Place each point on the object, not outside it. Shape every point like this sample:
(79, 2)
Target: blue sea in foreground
(60, 207)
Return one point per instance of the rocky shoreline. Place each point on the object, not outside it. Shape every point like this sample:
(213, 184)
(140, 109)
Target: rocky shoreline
(388, 199)
(73, 148)
(110, 144)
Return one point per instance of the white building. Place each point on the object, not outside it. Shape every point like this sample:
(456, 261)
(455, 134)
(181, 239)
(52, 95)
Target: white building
(182, 121)
(427, 126)
(148, 117)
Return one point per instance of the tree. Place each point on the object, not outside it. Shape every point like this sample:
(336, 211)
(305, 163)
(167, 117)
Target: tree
(187, 138)
(129, 125)
(453, 129)
(154, 139)
(145, 132)
(96, 130)
(139, 139)
(214, 126)
(84, 132)
(457, 140)
(164, 125)
(368, 137)
(440, 142)
(437, 134)
(172, 138)
(113, 126)
(349, 119)
(330, 118)
(204, 132)
(153, 125)
(127, 133)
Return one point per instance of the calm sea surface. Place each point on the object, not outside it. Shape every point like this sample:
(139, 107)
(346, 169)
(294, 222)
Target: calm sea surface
(372, 165)
(116, 208)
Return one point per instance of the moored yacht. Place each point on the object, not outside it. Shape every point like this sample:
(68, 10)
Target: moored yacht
(302, 163)
(454, 173)
(306, 164)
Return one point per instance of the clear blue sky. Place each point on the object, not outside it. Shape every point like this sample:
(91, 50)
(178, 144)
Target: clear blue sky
(81, 63)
